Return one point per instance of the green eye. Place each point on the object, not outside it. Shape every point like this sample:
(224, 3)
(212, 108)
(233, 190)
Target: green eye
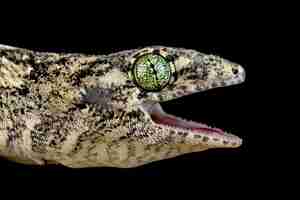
(152, 72)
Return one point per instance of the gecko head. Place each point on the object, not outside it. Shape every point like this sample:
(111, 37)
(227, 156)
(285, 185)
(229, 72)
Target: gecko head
(165, 73)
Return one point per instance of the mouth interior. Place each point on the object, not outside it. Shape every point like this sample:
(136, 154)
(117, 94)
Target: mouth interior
(160, 117)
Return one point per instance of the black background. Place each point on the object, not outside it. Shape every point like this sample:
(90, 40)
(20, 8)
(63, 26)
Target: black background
(241, 33)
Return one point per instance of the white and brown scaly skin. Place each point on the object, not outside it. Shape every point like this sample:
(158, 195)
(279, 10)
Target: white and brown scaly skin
(86, 111)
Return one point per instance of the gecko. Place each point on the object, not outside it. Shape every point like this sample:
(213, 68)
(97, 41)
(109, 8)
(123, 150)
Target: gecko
(83, 110)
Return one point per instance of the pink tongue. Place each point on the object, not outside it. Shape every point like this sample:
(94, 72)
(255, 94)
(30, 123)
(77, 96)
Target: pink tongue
(210, 130)
(174, 121)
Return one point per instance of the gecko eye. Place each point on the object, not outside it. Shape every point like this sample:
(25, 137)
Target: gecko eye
(152, 72)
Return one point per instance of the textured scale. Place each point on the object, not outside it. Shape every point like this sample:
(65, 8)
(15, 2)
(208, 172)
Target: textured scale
(87, 111)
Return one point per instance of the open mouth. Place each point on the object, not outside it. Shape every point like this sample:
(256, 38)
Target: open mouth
(160, 117)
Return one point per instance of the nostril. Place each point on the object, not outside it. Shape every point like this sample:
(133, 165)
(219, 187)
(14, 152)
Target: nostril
(235, 71)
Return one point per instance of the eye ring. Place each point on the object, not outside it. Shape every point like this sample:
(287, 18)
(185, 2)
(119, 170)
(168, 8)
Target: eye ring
(152, 72)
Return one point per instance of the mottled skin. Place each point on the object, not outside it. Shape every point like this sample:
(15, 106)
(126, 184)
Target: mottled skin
(86, 111)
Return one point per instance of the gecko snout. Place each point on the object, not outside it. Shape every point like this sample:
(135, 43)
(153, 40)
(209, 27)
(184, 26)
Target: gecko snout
(239, 72)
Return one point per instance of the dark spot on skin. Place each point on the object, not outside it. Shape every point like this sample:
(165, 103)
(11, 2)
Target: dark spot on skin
(23, 91)
(53, 143)
(75, 79)
(199, 87)
(214, 85)
(182, 87)
(222, 84)
(184, 134)
(122, 137)
(62, 139)
(183, 71)
(39, 71)
(171, 86)
(157, 148)
(62, 61)
(225, 142)
(234, 143)
(193, 77)
(148, 147)
(85, 72)
(167, 140)
(56, 72)
(12, 135)
(156, 51)
(99, 61)
(220, 73)
(125, 67)
(216, 139)
(170, 58)
(22, 111)
(127, 83)
(174, 77)
(142, 94)
(79, 106)
(205, 139)
(197, 136)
